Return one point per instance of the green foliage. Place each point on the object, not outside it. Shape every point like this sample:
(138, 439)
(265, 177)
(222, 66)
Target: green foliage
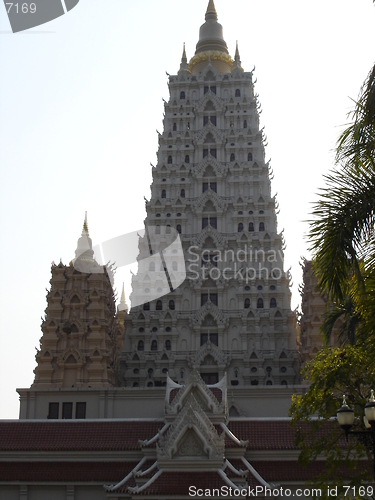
(357, 142)
(345, 311)
(332, 373)
(342, 230)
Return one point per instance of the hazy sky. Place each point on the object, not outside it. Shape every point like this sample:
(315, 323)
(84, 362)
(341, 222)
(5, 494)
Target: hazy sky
(80, 102)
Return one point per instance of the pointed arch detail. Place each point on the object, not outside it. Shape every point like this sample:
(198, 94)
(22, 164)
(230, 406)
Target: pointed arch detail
(209, 308)
(209, 195)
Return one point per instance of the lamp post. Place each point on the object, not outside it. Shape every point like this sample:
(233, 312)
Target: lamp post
(345, 417)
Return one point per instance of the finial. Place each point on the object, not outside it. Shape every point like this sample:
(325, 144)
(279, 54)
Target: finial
(372, 400)
(85, 230)
(211, 11)
(237, 60)
(344, 403)
(237, 55)
(84, 252)
(184, 66)
(123, 294)
(123, 305)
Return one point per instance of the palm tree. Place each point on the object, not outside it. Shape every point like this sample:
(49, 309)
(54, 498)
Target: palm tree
(342, 230)
(349, 318)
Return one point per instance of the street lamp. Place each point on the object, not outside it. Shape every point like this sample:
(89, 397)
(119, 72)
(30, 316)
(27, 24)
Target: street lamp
(345, 418)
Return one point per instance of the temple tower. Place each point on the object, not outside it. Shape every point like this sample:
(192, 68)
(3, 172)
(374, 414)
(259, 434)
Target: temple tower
(314, 307)
(81, 337)
(211, 184)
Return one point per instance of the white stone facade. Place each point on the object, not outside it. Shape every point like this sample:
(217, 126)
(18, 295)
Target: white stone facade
(211, 184)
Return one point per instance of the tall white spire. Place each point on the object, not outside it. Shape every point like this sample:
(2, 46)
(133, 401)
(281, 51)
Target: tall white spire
(123, 305)
(85, 229)
(84, 245)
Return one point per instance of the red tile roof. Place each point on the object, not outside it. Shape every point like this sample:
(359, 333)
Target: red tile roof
(287, 470)
(124, 435)
(173, 394)
(178, 483)
(98, 436)
(113, 472)
(217, 393)
(106, 472)
(75, 436)
(265, 434)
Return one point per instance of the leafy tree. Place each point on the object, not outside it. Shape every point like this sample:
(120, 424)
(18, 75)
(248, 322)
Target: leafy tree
(332, 373)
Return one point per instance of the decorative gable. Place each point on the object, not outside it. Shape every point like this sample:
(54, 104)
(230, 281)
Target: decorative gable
(191, 435)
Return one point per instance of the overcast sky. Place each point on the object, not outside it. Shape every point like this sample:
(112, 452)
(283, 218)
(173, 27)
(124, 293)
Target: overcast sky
(80, 102)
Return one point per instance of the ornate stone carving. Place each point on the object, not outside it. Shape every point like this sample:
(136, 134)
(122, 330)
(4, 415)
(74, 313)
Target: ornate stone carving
(214, 311)
(209, 349)
(208, 195)
(192, 418)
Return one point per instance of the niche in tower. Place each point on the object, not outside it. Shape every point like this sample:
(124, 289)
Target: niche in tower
(209, 140)
(209, 107)
(209, 208)
(209, 322)
(209, 172)
(70, 372)
(209, 76)
(208, 247)
(209, 146)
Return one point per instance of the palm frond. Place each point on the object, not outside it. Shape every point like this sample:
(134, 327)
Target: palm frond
(358, 139)
(342, 225)
(350, 320)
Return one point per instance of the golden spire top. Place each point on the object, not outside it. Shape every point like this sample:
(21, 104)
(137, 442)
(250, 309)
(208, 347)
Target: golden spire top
(184, 54)
(211, 11)
(85, 229)
(211, 47)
